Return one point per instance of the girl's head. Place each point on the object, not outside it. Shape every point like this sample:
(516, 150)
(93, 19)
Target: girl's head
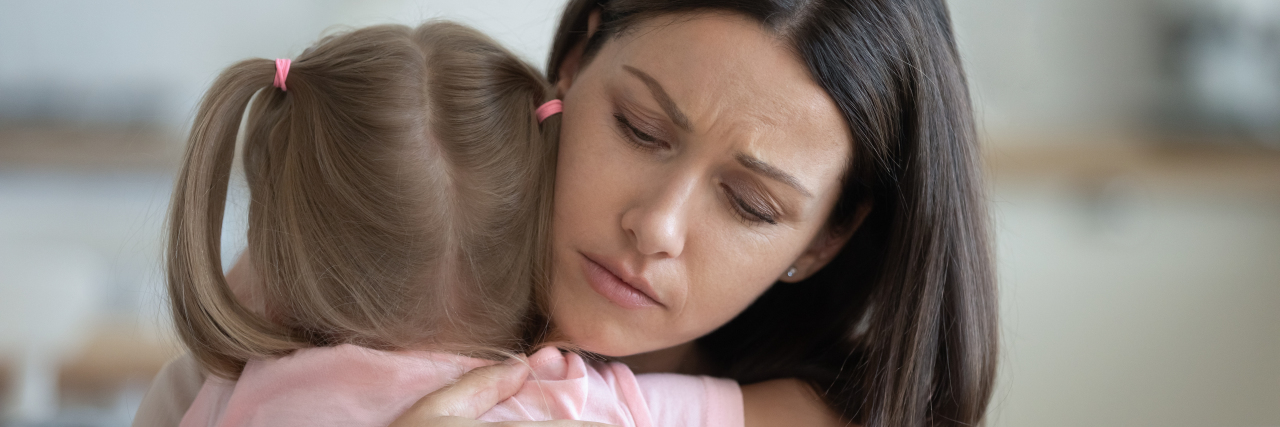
(399, 197)
(793, 181)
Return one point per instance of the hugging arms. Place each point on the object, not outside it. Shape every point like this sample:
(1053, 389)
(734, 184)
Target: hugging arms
(775, 190)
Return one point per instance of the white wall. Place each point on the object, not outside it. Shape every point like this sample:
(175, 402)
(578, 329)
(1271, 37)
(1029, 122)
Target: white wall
(1060, 66)
(1142, 307)
(103, 59)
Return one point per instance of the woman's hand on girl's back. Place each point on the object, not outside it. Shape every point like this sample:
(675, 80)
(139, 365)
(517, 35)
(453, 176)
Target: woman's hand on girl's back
(476, 392)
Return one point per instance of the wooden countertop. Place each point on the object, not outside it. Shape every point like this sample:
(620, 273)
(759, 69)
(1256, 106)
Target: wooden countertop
(90, 148)
(1184, 164)
(1181, 166)
(117, 354)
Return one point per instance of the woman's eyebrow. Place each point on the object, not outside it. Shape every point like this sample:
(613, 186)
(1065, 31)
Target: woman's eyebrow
(663, 99)
(682, 121)
(771, 172)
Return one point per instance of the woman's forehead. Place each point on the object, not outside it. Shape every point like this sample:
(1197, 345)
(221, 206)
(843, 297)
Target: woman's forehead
(733, 79)
(720, 49)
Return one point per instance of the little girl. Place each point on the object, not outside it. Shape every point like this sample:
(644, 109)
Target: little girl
(400, 185)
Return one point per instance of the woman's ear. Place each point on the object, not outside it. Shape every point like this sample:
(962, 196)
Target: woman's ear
(568, 69)
(824, 248)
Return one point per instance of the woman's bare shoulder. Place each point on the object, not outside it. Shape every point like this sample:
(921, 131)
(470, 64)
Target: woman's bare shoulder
(787, 402)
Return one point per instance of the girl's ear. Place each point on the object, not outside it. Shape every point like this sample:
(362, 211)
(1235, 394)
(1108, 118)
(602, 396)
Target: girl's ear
(823, 248)
(568, 68)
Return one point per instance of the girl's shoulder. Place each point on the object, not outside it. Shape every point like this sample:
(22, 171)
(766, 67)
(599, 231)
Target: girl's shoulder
(344, 385)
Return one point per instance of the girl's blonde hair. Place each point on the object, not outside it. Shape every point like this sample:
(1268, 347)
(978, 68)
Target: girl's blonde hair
(399, 197)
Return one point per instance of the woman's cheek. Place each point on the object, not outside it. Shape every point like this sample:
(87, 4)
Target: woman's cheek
(728, 297)
(731, 270)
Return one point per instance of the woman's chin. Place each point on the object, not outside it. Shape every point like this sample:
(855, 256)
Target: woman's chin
(605, 336)
(604, 340)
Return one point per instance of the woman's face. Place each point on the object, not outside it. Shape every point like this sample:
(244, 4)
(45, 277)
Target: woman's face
(698, 163)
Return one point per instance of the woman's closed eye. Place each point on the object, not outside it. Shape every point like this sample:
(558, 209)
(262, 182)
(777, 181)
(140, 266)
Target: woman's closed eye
(750, 208)
(639, 138)
(746, 204)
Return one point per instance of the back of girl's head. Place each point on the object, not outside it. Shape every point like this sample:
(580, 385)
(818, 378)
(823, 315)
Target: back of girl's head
(399, 197)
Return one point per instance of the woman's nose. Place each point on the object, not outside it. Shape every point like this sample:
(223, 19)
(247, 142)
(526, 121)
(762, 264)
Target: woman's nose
(657, 225)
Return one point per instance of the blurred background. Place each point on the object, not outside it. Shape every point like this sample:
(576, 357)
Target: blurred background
(1133, 150)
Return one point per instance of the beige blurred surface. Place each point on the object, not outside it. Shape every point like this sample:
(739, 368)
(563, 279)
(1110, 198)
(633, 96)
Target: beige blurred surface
(115, 356)
(1165, 165)
(1139, 286)
(90, 148)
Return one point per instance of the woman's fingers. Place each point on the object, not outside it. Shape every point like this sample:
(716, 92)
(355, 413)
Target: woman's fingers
(556, 423)
(475, 392)
(467, 422)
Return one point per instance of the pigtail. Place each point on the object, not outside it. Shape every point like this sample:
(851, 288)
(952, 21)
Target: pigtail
(220, 331)
(538, 324)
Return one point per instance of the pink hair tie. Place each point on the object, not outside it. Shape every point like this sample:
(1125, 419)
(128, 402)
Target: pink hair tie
(550, 108)
(282, 72)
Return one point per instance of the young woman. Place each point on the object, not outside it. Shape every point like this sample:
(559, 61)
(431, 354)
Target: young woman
(774, 189)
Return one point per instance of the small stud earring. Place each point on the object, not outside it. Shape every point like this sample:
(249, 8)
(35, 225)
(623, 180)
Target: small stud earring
(791, 272)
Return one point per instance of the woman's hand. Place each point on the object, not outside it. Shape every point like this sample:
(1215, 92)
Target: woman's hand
(476, 392)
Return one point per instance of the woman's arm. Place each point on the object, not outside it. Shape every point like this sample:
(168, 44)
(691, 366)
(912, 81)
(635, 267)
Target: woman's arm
(457, 405)
(782, 402)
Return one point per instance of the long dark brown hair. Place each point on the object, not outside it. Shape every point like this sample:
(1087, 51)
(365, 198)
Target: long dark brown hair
(900, 329)
(399, 196)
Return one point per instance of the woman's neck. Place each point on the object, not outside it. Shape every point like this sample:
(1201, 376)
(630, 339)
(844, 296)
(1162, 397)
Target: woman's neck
(684, 359)
(681, 359)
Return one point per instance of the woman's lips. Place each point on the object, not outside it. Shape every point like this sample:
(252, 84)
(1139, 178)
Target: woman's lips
(613, 288)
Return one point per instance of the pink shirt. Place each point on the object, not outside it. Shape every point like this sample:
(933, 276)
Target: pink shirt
(353, 386)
